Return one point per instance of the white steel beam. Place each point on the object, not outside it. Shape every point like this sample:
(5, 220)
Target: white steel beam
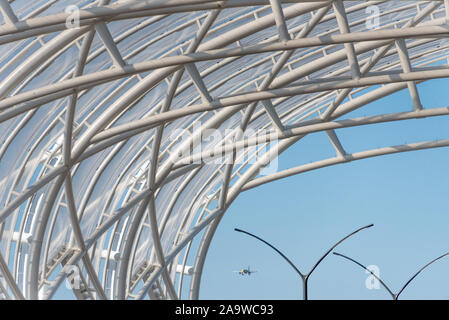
(280, 20)
(344, 29)
(97, 78)
(277, 124)
(241, 100)
(312, 127)
(7, 12)
(198, 82)
(336, 143)
(110, 45)
(154, 154)
(407, 67)
(44, 25)
(350, 157)
(76, 228)
(10, 279)
(6, 211)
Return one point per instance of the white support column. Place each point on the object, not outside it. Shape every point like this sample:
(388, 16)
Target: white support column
(7, 12)
(10, 279)
(336, 143)
(198, 82)
(7, 210)
(407, 67)
(109, 43)
(76, 228)
(342, 21)
(273, 115)
(280, 20)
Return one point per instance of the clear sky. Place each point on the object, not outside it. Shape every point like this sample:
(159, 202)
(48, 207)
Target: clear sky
(404, 195)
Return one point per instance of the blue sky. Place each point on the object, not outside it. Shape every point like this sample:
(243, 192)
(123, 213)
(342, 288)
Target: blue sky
(404, 195)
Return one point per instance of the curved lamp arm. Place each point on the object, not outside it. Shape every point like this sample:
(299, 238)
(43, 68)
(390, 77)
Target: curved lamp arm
(319, 260)
(304, 277)
(372, 273)
(335, 245)
(275, 249)
(419, 271)
(395, 296)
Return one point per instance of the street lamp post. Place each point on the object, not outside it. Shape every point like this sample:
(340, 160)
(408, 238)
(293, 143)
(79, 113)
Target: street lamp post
(304, 276)
(395, 296)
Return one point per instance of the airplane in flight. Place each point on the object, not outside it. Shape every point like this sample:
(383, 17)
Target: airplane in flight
(244, 271)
